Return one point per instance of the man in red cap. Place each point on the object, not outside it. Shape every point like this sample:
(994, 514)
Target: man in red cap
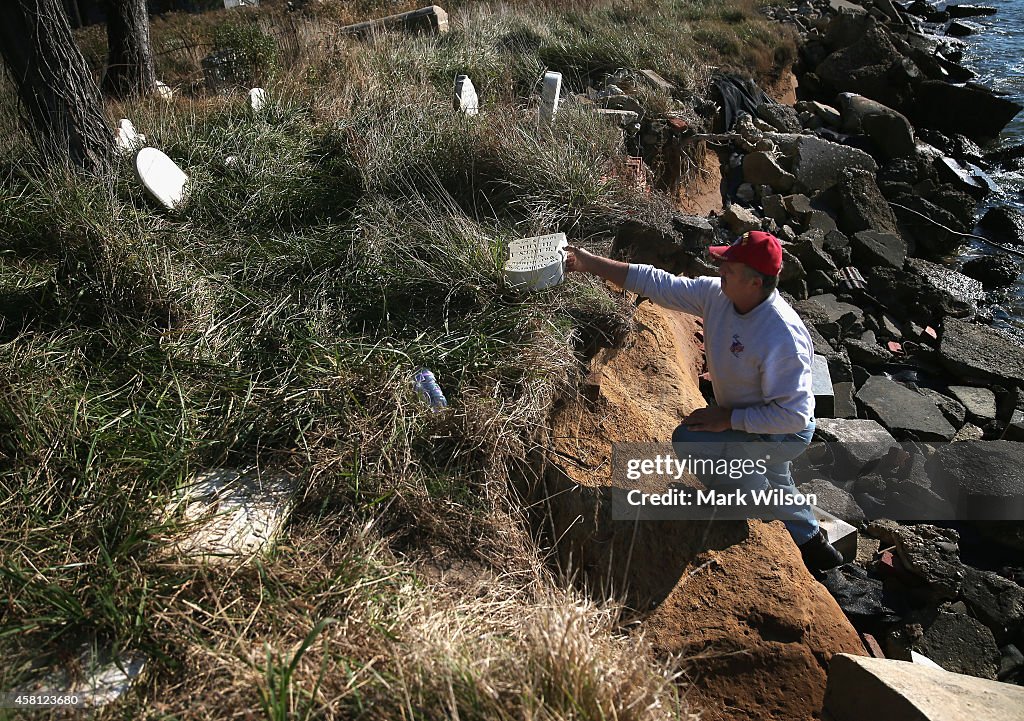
(759, 357)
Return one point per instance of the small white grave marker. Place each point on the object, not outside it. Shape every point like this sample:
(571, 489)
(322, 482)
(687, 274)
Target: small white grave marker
(466, 99)
(228, 4)
(165, 180)
(230, 514)
(257, 99)
(537, 262)
(97, 679)
(127, 139)
(550, 95)
(164, 90)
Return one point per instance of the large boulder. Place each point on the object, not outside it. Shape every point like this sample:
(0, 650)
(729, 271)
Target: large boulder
(971, 110)
(889, 129)
(862, 206)
(1004, 225)
(973, 351)
(982, 479)
(871, 248)
(929, 552)
(761, 168)
(994, 271)
(856, 443)
(996, 601)
(949, 283)
(864, 67)
(833, 499)
(904, 412)
(923, 223)
(960, 644)
(882, 689)
(819, 164)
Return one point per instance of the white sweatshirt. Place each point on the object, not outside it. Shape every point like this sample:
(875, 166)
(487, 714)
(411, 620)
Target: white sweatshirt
(760, 362)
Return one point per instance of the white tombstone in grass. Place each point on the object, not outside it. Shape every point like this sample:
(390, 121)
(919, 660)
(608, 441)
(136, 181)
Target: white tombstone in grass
(257, 99)
(229, 515)
(162, 178)
(537, 262)
(228, 4)
(550, 94)
(466, 99)
(164, 90)
(127, 139)
(96, 677)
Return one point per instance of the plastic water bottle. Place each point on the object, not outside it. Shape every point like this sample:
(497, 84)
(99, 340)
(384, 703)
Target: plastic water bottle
(426, 385)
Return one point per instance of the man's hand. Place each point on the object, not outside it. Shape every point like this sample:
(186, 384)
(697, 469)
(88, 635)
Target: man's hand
(578, 260)
(712, 419)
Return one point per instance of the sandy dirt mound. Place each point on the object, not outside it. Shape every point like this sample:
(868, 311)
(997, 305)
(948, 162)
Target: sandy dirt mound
(732, 596)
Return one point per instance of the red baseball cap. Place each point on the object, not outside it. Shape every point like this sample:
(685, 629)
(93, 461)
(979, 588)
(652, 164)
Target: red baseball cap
(761, 251)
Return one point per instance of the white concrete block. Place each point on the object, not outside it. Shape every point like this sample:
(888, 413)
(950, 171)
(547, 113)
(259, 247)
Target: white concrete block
(840, 534)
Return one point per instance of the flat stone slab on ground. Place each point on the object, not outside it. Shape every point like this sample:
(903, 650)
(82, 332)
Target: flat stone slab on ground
(971, 350)
(903, 411)
(860, 688)
(980, 402)
(227, 514)
(982, 479)
(862, 441)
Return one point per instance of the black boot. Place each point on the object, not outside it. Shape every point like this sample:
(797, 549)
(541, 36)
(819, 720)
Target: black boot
(818, 554)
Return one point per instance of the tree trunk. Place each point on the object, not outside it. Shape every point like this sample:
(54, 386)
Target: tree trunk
(130, 62)
(59, 97)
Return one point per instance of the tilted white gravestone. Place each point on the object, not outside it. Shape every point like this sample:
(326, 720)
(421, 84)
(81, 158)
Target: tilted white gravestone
(257, 99)
(162, 178)
(537, 262)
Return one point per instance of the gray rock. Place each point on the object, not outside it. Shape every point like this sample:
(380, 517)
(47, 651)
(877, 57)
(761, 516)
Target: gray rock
(952, 409)
(973, 351)
(810, 249)
(904, 412)
(819, 220)
(775, 208)
(867, 354)
(740, 220)
(994, 271)
(885, 689)
(888, 129)
(781, 117)
(960, 644)
(948, 282)
(862, 206)
(844, 404)
(907, 499)
(857, 442)
(819, 164)
(975, 112)
(863, 67)
(996, 601)
(1004, 225)
(829, 115)
(979, 402)
(968, 11)
(982, 478)
(849, 317)
(961, 29)
(871, 248)
(929, 552)
(763, 169)
(834, 499)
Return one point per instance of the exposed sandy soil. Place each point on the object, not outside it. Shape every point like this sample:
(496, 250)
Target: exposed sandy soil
(731, 596)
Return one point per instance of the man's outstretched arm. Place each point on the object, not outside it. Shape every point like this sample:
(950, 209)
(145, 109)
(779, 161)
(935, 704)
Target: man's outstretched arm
(582, 261)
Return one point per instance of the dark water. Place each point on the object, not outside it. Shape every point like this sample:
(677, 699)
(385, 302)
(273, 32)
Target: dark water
(997, 55)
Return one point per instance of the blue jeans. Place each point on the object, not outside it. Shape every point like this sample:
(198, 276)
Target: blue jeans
(782, 448)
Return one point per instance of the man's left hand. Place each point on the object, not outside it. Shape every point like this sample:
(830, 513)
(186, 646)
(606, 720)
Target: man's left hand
(712, 419)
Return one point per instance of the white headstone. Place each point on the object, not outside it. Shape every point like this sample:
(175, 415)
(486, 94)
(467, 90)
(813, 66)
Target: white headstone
(97, 678)
(230, 514)
(164, 90)
(161, 176)
(257, 99)
(228, 4)
(537, 262)
(466, 99)
(127, 139)
(550, 95)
